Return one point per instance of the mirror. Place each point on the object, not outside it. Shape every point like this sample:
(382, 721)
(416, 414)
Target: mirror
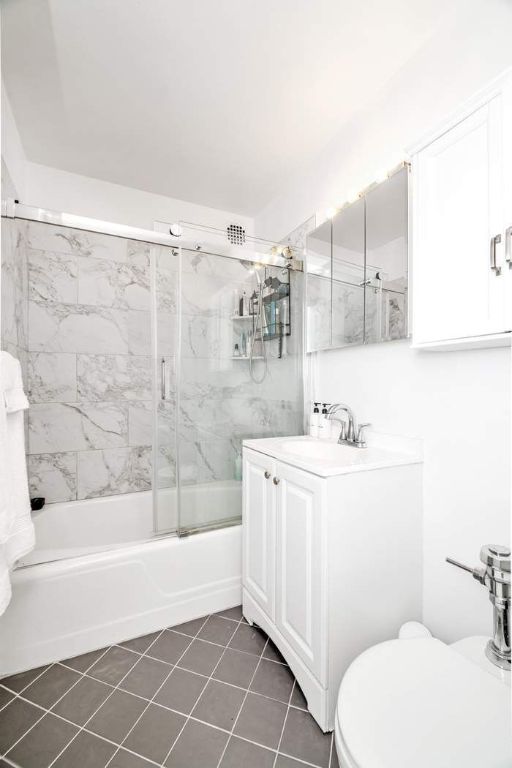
(319, 284)
(357, 270)
(386, 259)
(348, 276)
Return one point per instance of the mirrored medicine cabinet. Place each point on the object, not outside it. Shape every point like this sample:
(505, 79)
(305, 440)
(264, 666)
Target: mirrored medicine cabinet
(357, 280)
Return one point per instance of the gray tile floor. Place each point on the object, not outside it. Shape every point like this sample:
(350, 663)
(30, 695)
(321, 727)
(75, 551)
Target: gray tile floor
(211, 693)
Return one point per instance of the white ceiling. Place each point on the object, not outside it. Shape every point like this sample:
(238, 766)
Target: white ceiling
(216, 102)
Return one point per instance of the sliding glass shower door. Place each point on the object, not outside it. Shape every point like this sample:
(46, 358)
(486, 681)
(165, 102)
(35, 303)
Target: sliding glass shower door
(210, 394)
(165, 285)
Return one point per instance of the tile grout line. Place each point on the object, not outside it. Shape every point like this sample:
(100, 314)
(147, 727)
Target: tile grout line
(197, 700)
(45, 709)
(158, 704)
(199, 674)
(284, 723)
(192, 717)
(114, 689)
(150, 701)
(243, 702)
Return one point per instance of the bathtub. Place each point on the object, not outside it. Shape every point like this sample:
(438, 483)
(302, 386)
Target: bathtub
(96, 578)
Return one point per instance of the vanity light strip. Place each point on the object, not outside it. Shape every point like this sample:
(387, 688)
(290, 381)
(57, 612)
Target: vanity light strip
(330, 213)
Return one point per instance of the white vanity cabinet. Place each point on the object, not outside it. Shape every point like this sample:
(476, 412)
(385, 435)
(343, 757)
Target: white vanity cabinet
(462, 227)
(331, 564)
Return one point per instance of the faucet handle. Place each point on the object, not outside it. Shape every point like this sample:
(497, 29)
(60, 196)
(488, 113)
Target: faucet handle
(475, 572)
(360, 434)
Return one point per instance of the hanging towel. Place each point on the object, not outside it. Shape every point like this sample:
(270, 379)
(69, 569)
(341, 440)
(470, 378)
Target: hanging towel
(17, 535)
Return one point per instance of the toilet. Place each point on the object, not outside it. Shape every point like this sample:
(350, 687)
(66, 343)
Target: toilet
(416, 702)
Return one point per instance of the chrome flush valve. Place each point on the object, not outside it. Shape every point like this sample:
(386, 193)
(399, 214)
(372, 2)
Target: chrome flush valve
(496, 577)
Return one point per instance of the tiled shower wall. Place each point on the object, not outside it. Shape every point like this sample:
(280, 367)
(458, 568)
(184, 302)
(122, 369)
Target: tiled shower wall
(219, 403)
(88, 372)
(76, 310)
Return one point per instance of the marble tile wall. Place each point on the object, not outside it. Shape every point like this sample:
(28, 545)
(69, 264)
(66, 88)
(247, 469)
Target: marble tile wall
(78, 311)
(89, 370)
(219, 403)
(14, 291)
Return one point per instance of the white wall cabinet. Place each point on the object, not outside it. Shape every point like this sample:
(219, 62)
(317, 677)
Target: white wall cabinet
(462, 227)
(332, 565)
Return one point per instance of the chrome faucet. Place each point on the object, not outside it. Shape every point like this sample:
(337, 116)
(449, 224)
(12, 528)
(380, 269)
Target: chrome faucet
(350, 433)
(496, 577)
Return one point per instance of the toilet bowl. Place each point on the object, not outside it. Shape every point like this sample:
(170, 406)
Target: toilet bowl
(418, 702)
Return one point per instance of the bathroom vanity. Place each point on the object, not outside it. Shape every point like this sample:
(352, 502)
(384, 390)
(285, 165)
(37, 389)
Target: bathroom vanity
(331, 552)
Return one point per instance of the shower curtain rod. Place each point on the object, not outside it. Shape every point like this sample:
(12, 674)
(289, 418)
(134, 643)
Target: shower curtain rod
(13, 209)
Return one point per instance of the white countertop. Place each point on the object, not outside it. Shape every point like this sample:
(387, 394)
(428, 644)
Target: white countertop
(327, 459)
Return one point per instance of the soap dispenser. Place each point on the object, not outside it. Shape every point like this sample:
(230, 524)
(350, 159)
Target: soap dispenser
(325, 422)
(315, 418)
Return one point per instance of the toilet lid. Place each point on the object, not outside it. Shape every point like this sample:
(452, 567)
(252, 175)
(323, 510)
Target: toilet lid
(418, 703)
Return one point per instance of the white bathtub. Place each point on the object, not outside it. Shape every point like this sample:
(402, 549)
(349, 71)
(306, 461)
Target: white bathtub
(105, 584)
(75, 528)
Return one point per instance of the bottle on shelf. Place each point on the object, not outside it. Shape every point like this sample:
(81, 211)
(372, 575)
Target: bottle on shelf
(236, 351)
(253, 305)
(243, 305)
(236, 303)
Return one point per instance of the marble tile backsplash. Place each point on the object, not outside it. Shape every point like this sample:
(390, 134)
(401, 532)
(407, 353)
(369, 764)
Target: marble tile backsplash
(76, 310)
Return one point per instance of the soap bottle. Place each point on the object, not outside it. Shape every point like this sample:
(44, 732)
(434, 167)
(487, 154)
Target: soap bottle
(244, 305)
(236, 352)
(326, 422)
(315, 417)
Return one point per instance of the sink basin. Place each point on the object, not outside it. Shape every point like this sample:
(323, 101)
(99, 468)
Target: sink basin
(325, 451)
(327, 458)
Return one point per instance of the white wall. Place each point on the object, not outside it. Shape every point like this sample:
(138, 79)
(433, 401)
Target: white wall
(457, 402)
(51, 188)
(62, 191)
(13, 157)
(456, 63)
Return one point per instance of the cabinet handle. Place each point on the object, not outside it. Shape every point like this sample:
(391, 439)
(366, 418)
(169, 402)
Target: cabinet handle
(508, 246)
(267, 474)
(494, 242)
(276, 481)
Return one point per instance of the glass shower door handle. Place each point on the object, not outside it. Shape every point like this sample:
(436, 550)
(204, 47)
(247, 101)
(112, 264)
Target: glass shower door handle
(164, 394)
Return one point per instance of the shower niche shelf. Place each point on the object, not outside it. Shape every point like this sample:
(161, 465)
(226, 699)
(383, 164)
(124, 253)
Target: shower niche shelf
(275, 296)
(247, 357)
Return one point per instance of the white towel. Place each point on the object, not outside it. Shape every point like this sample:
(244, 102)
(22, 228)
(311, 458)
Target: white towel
(17, 535)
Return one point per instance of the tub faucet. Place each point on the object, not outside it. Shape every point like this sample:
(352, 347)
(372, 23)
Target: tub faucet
(350, 433)
(496, 577)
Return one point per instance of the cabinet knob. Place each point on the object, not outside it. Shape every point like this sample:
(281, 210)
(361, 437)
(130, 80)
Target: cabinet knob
(276, 481)
(267, 474)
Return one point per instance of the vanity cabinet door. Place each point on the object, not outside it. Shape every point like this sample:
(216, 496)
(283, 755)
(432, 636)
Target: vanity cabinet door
(301, 567)
(458, 292)
(258, 529)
